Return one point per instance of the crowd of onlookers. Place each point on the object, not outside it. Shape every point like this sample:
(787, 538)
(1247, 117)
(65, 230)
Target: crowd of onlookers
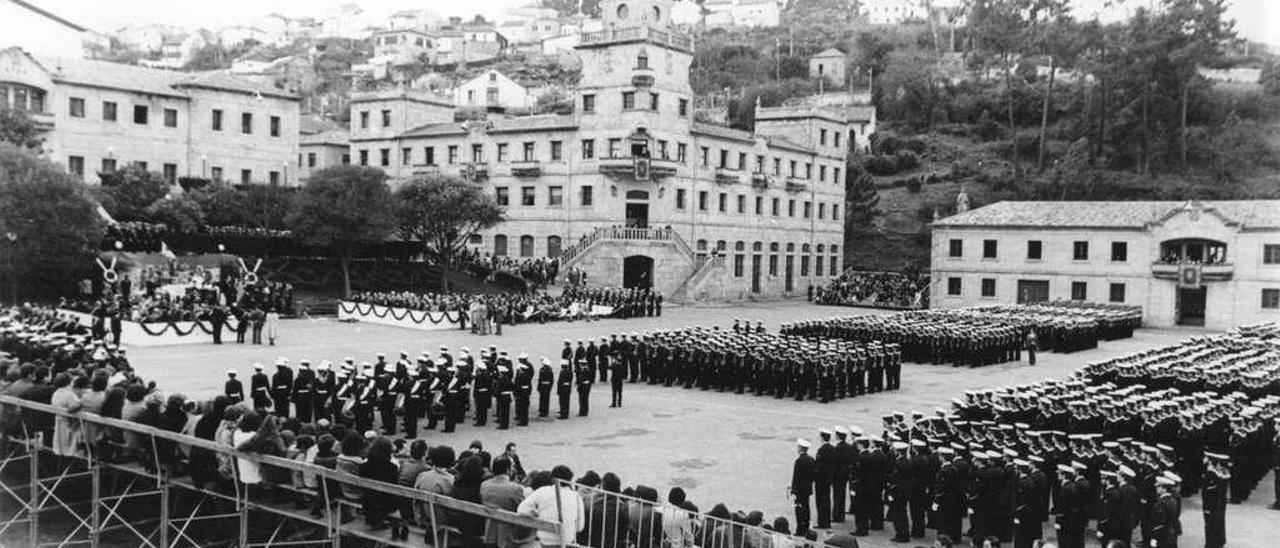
(485, 312)
(539, 271)
(868, 288)
(47, 360)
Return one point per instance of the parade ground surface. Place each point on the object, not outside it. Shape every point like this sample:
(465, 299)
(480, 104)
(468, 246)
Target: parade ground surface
(720, 447)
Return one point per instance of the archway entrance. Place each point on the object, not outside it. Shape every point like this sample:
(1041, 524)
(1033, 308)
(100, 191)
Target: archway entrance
(1191, 305)
(637, 271)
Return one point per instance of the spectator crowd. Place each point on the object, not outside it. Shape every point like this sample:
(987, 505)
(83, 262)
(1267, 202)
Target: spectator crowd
(878, 289)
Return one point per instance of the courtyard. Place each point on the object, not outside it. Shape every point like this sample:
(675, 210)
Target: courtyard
(720, 447)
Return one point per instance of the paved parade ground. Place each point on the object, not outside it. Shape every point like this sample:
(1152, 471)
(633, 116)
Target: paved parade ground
(721, 447)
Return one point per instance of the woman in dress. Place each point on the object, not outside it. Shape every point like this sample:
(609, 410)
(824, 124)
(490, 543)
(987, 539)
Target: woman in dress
(67, 436)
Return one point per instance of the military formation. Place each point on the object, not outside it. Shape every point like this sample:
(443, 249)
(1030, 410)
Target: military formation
(444, 390)
(1108, 453)
(746, 359)
(982, 335)
(1006, 479)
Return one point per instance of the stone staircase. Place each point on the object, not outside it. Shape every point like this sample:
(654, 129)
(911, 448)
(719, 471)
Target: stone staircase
(599, 250)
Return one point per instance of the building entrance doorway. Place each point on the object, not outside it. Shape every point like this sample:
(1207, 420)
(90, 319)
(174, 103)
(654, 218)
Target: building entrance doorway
(637, 271)
(1191, 304)
(637, 215)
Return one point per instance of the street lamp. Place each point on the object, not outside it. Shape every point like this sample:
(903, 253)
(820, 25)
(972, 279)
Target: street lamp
(11, 238)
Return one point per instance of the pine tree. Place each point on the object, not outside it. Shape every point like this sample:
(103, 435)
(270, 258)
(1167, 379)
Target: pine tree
(860, 196)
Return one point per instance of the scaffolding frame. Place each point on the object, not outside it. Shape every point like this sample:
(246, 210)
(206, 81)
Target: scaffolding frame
(41, 482)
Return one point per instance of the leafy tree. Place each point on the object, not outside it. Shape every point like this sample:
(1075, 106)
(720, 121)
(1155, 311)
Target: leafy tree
(131, 191)
(343, 208)
(17, 128)
(861, 197)
(442, 213)
(222, 204)
(266, 206)
(178, 213)
(54, 224)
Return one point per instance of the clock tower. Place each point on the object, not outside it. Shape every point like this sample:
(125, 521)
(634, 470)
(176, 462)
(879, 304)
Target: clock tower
(635, 72)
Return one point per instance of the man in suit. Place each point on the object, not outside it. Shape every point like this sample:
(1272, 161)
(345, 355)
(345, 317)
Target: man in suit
(803, 473)
(500, 492)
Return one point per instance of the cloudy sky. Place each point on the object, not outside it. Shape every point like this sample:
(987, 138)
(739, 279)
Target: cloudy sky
(1252, 16)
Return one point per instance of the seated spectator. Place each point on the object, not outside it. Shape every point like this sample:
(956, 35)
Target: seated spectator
(557, 503)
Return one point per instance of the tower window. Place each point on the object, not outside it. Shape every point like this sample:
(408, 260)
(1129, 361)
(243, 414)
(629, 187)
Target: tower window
(642, 60)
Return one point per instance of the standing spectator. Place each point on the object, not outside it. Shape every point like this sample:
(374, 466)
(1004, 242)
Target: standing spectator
(436, 479)
(467, 488)
(173, 419)
(502, 493)
(91, 402)
(248, 472)
(67, 437)
(677, 523)
(378, 466)
(273, 326)
(608, 519)
(557, 503)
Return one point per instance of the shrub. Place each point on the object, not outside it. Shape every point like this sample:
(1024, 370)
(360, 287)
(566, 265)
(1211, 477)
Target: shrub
(913, 185)
(906, 160)
(881, 165)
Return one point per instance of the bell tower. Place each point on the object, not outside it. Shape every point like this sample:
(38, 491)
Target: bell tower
(635, 71)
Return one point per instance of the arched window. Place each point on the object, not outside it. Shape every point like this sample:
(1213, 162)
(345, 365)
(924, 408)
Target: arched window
(642, 60)
(821, 248)
(773, 247)
(721, 246)
(757, 247)
(500, 244)
(526, 246)
(791, 247)
(553, 246)
(804, 248)
(835, 249)
(740, 246)
(701, 245)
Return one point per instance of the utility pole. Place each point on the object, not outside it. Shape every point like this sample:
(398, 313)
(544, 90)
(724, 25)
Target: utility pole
(777, 58)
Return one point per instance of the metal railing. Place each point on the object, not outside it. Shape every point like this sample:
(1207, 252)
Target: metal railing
(33, 423)
(615, 520)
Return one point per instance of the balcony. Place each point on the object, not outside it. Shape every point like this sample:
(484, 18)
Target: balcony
(624, 167)
(796, 184)
(759, 180)
(1217, 272)
(637, 34)
(726, 176)
(642, 77)
(475, 171)
(526, 169)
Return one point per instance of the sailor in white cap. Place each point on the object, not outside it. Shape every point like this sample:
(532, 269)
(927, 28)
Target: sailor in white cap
(233, 388)
(260, 388)
(827, 463)
(546, 380)
(803, 474)
(281, 387)
(840, 487)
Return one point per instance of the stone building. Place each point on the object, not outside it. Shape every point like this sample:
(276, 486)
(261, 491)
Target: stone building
(829, 64)
(629, 187)
(98, 116)
(1213, 263)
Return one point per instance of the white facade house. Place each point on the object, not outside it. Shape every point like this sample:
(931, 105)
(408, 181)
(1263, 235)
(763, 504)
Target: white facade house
(1214, 263)
(22, 23)
(96, 116)
(493, 89)
(892, 12)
